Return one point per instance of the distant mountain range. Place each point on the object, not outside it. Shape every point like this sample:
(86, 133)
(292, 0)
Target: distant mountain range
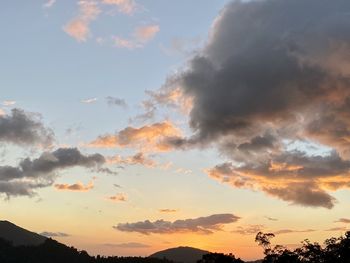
(41, 249)
(19, 236)
(184, 255)
(181, 254)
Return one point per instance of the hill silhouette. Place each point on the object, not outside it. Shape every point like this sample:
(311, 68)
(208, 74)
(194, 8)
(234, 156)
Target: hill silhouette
(19, 236)
(181, 254)
(334, 250)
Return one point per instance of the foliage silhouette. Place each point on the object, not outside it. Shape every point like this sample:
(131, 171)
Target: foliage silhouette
(335, 250)
(219, 258)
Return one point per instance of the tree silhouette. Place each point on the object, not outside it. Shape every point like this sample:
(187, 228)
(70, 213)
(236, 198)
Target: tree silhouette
(335, 250)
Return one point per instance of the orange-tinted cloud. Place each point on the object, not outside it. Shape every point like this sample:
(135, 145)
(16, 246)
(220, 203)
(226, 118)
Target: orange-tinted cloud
(304, 181)
(117, 198)
(149, 138)
(168, 96)
(290, 231)
(139, 38)
(167, 210)
(146, 33)
(124, 6)
(78, 187)
(78, 28)
(249, 230)
(138, 158)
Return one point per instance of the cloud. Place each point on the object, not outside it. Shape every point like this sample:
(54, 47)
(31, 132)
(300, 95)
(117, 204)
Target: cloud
(78, 28)
(31, 174)
(146, 138)
(271, 218)
(140, 37)
(167, 210)
(168, 96)
(290, 231)
(249, 230)
(78, 187)
(202, 225)
(89, 101)
(8, 102)
(343, 229)
(117, 198)
(124, 6)
(49, 4)
(24, 128)
(112, 101)
(146, 33)
(264, 81)
(128, 245)
(137, 159)
(343, 220)
(54, 234)
(294, 184)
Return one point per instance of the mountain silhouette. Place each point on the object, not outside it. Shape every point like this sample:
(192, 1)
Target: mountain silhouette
(181, 254)
(19, 236)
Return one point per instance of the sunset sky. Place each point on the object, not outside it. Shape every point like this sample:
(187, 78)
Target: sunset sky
(131, 126)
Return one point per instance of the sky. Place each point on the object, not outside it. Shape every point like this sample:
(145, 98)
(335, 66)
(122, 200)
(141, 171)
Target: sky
(131, 126)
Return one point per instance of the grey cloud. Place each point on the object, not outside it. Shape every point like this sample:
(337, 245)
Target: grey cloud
(41, 172)
(249, 230)
(289, 166)
(113, 101)
(343, 220)
(203, 225)
(24, 128)
(289, 231)
(274, 71)
(305, 194)
(306, 166)
(54, 234)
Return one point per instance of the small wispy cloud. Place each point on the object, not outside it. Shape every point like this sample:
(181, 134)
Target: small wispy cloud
(271, 218)
(78, 28)
(124, 6)
(146, 33)
(89, 100)
(289, 231)
(8, 103)
(54, 234)
(248, 230)
(137, 159)
(117, 198)
(78, 187)
(113, 101)
(49, 4)
(167, 210)
(343, 229)
(343, 220)
(140, 37)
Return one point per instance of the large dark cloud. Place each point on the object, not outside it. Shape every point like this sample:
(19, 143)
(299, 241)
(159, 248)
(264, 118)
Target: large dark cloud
(23, 128)
(203, 225)
(274, 72)
(31, 174)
